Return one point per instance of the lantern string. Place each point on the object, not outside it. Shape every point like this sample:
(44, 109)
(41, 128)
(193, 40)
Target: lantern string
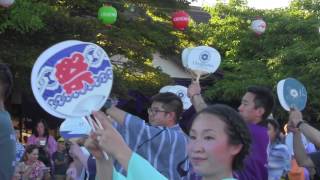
(108, 3)
(201, 9)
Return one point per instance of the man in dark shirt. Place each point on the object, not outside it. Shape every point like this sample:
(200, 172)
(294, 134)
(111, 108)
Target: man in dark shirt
(60, 159)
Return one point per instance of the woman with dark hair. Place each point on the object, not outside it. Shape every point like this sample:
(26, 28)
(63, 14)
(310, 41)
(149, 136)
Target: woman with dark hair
(41, 137)
(30, 167)
(278, 153)
(219, 142)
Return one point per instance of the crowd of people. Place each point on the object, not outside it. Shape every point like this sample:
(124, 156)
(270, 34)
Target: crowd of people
(220, 143)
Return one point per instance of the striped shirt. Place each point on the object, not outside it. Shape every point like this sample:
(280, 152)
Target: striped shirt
(279, 160)
(163, 147)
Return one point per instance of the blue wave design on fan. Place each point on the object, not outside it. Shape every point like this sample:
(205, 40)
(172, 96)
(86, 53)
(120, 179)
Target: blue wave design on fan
(67, 53)
(60, 99)
(69, 134)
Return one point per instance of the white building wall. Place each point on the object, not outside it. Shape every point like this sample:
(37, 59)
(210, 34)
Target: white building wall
(169, 67)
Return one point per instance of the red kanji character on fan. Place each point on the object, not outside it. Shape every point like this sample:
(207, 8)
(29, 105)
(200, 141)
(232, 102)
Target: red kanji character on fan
(72, 73)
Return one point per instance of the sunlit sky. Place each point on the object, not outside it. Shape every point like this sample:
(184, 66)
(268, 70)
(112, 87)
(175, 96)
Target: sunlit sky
(259, 4)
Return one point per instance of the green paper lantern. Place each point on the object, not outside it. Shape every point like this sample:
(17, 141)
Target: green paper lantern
(107, 15)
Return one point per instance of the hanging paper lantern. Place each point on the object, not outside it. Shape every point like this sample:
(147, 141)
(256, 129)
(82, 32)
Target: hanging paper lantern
(180, 20)
(6, 3)
(107, 15)
(259, 26)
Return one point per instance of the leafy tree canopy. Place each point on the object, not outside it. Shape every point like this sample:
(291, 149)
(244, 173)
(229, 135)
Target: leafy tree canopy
(29, 27)
(288, 48)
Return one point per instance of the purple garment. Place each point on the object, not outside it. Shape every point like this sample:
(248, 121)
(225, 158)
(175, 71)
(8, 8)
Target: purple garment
(52, 143)
(92, 169)
(186, 119)
(191, 175)
(255, 164)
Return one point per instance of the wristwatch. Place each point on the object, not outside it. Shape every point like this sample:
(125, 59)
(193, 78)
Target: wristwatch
(299, 124)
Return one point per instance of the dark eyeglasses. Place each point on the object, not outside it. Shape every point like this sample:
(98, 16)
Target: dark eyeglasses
(155, 111)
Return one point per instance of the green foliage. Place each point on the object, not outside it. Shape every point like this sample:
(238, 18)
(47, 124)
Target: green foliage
(288, 48)
(23, 16)
(29, 27)
(308, 5)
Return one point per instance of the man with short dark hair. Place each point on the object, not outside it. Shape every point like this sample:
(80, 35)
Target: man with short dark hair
(7, 133)
(256, 105)
(162, 143)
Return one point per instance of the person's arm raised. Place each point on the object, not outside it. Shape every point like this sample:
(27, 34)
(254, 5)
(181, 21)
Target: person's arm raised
(111, 141)
(104, 166)
(310, 132)
(117, 114)
(300, 153)
(76, 150)
(194, 93)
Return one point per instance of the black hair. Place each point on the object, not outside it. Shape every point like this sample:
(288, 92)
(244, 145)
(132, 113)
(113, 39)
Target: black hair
(263, 98)
(276, 126)
(6, 81)
(44, 156)
(236, 129)
(29, 149)
(46, 130)
(171, 103)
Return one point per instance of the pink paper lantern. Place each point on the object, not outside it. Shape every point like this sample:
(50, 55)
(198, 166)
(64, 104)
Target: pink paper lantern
(180, 20)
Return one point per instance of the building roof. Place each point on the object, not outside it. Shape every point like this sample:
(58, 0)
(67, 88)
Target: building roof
(198, 15)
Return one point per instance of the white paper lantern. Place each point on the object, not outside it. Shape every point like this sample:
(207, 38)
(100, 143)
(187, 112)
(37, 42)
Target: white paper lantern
(259, 26)
(6, 3)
